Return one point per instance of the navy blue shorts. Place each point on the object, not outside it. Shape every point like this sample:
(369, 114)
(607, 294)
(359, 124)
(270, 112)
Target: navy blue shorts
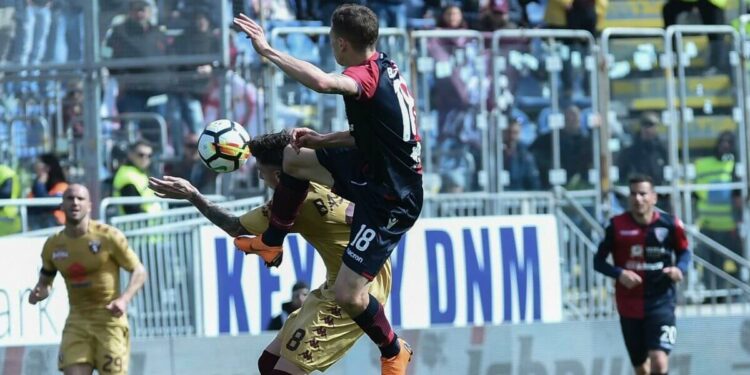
(380, 218)
(656, 331)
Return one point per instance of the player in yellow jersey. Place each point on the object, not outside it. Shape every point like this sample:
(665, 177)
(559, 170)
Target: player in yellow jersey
(89, 256)
(320, 332)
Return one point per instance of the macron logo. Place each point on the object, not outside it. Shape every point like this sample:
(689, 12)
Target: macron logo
(391, 222)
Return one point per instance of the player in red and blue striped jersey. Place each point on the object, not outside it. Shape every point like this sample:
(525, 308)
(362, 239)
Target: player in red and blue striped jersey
(650, 253)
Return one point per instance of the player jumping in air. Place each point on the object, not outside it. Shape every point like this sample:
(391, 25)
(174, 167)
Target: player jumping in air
(320, 332)
(376, 165)
(642, 242)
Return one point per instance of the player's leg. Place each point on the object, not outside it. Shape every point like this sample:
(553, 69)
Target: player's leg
(377, 227)
(661, 336)
(79, 369)
(271, 362)
(298, 170)
(635, 342)
(315, 336)
(112, 351)
(659, 362)
(270, 356)
(76, 351)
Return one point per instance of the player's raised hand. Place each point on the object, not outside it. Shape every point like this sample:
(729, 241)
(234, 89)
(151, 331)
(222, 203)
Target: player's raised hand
(39, 293)
(117, 307)
(305, 137)
(172, 187)
(674, 273)
(629, 279)
(254, 32)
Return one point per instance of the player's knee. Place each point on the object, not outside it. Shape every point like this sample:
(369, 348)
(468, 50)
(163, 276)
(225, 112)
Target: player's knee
(349, 300)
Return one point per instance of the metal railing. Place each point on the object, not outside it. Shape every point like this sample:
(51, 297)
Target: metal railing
(168, 245)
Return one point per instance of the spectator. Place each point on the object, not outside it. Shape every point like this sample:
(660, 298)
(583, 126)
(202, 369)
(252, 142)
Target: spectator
(34, 18)
(192, 169)
(720, 210)
(712, 13)
(647, 155)
(66, 34)
(326, 8)
(495, 16)
(277, 10)
(131, 179)
(50, 181)
(576, 153)
(184, 106)
(137, 38)
(304, 10)
(299, 293)
(456, 166)
(10, 188)
(391, 13)
(576, 14)
(518, 161)
(452, 18)
(7, 27)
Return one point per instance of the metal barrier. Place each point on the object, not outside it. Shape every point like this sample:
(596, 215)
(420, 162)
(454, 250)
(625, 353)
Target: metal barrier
(168, 245)
(24, 203)
(487, 204)
(451, 66)
(587, 294)
(179, 215)
(520, 59)
(106, 203)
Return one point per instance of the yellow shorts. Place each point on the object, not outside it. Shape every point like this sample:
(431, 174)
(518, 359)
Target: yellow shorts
(106, 347)
(318, 334)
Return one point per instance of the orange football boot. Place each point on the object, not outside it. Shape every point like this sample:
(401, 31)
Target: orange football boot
(254, 245)
(397, 365)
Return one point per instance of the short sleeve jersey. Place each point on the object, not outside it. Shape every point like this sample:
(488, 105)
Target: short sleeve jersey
(321, 221)
(646, 250)
(90, 265)
(383, 121)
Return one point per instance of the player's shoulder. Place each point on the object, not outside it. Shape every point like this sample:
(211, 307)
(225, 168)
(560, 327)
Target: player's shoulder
(54, 239)
(668, 220)
(106, 231)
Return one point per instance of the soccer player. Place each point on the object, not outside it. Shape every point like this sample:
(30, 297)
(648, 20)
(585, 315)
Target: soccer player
(376, 165)
(89, 256)
(320, 332)
(643, 242)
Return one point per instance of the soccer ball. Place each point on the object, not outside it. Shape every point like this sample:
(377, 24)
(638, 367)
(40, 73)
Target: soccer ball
(224, 146)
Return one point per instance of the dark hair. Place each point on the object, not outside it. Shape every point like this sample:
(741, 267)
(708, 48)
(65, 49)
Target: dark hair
(56, 173)
(441, 19)
(269, 148)
(638, 178)
(138, 143)
(299, 285)
(728, 136)
(357, 24)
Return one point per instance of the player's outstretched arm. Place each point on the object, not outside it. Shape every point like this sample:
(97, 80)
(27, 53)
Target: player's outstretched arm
(137, 278)
(178, 188)
(302, 71)
(41, 290)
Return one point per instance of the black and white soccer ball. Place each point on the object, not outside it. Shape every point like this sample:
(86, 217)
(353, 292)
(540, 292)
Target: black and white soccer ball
(224, 146)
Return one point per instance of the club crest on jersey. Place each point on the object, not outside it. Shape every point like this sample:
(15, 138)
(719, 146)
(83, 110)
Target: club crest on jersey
(58, 254)
(661, 233)
(95, 246)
